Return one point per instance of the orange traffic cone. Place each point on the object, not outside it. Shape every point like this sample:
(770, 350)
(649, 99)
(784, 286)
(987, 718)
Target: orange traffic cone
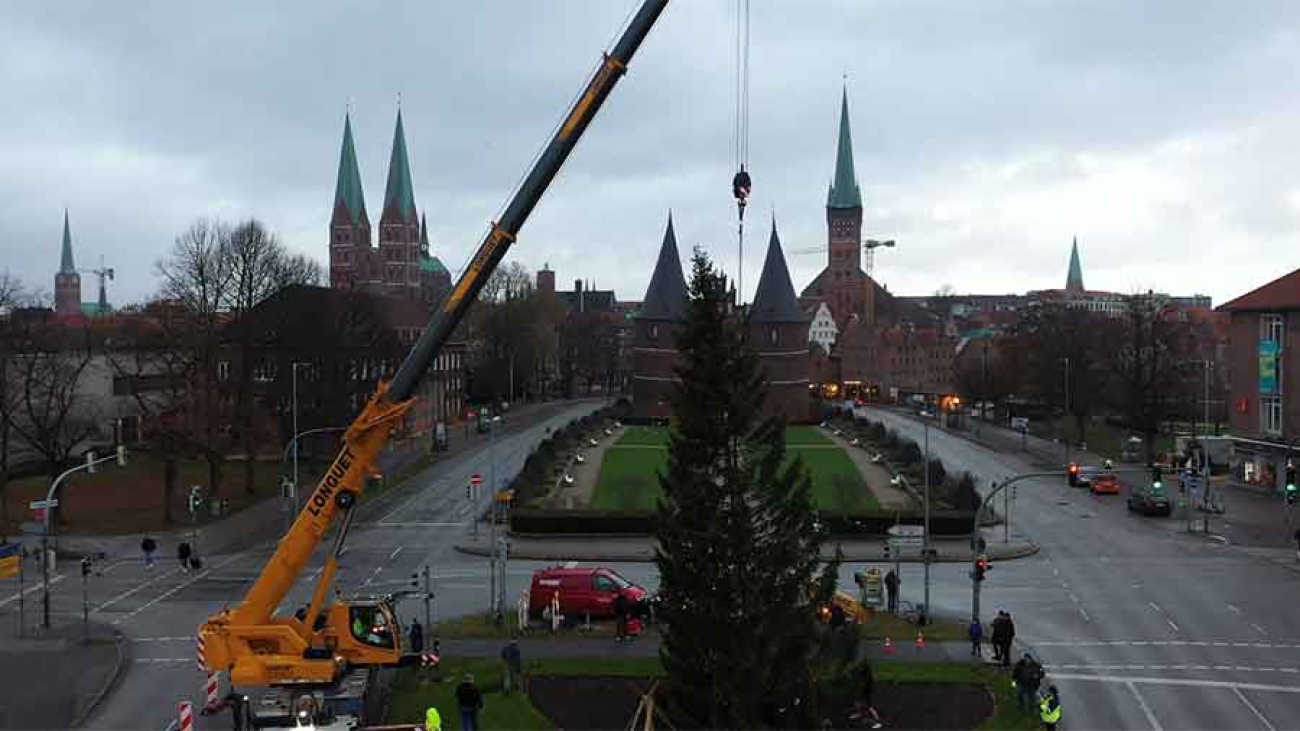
(889, 647)
(920, 641)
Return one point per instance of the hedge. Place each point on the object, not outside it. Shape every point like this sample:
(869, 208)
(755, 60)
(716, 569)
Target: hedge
(955, 523)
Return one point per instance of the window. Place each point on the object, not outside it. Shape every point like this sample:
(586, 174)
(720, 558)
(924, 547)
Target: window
(1270, 414)
(264, 370)
(1271, 327)
(772, 336)
(654, 332)
(603, 584)
(223, 370)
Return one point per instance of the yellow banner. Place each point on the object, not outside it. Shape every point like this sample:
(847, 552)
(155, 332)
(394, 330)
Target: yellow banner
(10, 566)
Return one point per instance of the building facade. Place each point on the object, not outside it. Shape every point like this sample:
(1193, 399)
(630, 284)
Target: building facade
(654, 340)
(778, 331)
(822, 330)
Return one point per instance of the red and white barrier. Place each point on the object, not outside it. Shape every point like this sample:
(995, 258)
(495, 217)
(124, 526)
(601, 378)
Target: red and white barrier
(212, 694)
(186, 710)
(198, 653)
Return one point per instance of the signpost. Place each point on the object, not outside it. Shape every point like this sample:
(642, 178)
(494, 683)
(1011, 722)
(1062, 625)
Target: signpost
(475, 482)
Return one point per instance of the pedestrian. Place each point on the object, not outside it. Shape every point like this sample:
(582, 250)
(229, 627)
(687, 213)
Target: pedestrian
(148, 546)
(183, 552)
(998, 635)
(1026, 677)
(1009, 639)
(621, 609)
(237, 703)
(510, 654)
(891, 590)
(976, 637)
(866, 689)
(417, 636)
(470, 702)
(432, 719)
(1049, 709)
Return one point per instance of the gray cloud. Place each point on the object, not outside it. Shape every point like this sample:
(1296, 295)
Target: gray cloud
(1163, 134)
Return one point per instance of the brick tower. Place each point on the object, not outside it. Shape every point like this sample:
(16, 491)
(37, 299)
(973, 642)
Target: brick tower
(654, 354)
(778, 331)
(399, 225)
(67, 282)
(349, 226)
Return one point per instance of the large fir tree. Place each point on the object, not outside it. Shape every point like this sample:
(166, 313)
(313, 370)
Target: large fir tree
(737, 540)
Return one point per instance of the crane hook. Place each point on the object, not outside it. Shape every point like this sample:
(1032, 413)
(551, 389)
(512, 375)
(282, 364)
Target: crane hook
(740, 186)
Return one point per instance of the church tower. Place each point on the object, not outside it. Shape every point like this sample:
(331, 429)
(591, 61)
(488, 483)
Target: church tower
(349, 226)
(847, 282)
(399, 225)
(1074, 277)
(67, 283)
(654, 354)
(778, 332)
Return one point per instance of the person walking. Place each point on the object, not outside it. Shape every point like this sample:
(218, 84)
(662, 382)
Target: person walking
(976, 637)
(432, 719)
(1049, 709)
(891, 591)
(621, 609)
(1008, 638)
(147, 547)
(866, 690)
(999, 636)
(1026, 677)
(470, 701)
(183, 552)
(514, 661)
(417, 636)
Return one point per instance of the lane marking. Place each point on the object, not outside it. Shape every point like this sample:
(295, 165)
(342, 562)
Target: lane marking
(457, 524)
(1179, 681)
(1146, 709)
(1259, 629)
(34, 587)
(162, 660)
(1074, 598)
(160, 639)
(1171, 624)
(1254, 710)
(1238, 611)
(129, 592)
(1154, 606)
(173, 590)
(396, 551)
(1086, 618)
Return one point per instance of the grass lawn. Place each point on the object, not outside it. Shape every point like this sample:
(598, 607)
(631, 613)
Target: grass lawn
(414, 690)
(629, 472)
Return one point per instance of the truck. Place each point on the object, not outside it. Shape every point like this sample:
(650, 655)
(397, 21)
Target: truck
(310, 652)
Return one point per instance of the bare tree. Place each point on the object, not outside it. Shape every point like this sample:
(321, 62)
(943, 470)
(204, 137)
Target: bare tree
(11, 296)
(1064, 362)
(1144, 363)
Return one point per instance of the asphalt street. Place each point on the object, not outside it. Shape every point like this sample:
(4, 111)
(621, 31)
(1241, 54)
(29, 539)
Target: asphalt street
(1141, 625)
(395, 536)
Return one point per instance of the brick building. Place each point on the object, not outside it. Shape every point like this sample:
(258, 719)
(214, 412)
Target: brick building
(778, 330)
(401, 266)
(1263, 390)
(654, 344)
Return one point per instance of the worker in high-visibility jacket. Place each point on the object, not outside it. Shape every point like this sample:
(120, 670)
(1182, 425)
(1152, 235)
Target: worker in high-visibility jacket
(1049, 709)
(432, 720)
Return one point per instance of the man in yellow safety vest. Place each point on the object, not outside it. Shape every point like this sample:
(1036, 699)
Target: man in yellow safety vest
(1049, 709)
(432, 720)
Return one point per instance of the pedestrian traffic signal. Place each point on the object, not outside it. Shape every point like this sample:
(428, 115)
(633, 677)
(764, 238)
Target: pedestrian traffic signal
(196, 499)
(1290, 484)
(981, 568)
(1074, 474)
(1157, 478)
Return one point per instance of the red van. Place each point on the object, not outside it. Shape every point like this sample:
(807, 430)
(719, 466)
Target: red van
(587, 590)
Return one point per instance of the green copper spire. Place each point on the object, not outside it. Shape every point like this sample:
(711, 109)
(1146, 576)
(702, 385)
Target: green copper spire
(1074, 279)
(400, 195)
(844, 191)
(66, 266)
(348, 188)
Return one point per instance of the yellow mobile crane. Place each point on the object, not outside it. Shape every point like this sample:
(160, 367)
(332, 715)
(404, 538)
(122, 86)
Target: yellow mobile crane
(261, 648)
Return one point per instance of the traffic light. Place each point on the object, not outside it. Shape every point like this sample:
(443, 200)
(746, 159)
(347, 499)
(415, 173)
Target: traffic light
(90, 462)
(469, 492)
(196, 499)
(1074, 474)
(1290, 484)
(121, 456)
(1157, 478)
(981, 568)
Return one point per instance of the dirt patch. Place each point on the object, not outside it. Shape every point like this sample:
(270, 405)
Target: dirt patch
(585, 475)
(876, 476)
(609, 702)
(594, 703)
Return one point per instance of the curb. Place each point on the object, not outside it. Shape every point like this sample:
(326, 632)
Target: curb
(544, 555)
(122, 656)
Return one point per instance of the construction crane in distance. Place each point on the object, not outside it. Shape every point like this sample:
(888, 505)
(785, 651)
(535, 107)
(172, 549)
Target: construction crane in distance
(104, 275)
(869, 247)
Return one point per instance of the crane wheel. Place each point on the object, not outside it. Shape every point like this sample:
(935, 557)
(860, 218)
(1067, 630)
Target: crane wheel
(345, 499)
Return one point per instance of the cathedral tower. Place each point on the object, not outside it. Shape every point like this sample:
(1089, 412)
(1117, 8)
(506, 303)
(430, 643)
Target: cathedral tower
(67, 283)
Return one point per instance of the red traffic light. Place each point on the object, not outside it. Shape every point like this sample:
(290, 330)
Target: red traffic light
(1074, 468)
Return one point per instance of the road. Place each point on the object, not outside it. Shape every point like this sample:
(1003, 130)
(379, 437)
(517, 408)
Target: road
(1142, 626)
(393, 538)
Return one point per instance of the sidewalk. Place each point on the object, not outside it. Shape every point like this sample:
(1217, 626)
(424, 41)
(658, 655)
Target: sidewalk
(612, 549)
(54, 681)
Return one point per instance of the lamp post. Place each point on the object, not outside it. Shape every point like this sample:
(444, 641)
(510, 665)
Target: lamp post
(1067, 410)
(925, 542)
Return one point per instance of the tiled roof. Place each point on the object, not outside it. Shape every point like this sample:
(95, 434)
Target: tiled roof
(1281, 294)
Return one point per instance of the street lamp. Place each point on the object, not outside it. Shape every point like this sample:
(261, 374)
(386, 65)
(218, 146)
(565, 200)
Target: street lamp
(925, 541)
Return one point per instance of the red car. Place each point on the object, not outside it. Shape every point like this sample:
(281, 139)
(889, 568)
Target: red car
(1104, 483)
(582, 591)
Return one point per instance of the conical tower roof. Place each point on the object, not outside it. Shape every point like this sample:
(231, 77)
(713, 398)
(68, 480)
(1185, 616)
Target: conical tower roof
(66, 265)
(399, 196)
(666, 297)
(775, 300)
(844, 192)
(1074, 279)
(424, 233)
(348, 188)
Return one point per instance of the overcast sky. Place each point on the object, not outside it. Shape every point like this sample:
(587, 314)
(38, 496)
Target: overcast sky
(1165, 135)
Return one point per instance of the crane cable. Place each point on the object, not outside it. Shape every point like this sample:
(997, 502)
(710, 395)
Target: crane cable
(741, 183)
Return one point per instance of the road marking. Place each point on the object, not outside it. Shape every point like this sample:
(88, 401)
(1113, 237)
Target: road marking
(1074, 598)
(161, 660)
(1171, 624)
(457, 524)
(160, 639)
(396, 551)
(1178, 681)
(1146, 709)
(29, 590)
(1154, 606)
(1086, 618)
(1138, 643)
(173, 590)
(1254, 710)
(1259, 629)
(129, 592)
(419, 492)
(1238, 611)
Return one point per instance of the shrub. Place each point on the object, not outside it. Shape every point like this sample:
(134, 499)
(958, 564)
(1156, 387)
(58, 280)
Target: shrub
(909, 453)
(966, 497)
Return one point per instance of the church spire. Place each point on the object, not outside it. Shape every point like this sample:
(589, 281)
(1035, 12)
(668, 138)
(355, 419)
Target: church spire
(666, 297)
(774, 300)
(424, 233)
(844, 192)
(1074, 278)
(347, 191)
(399, 196)
(66, 265)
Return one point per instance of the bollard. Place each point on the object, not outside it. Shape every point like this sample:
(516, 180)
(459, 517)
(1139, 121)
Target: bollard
(211, 695)
(186, 710)
(889, 646)
(920, 641)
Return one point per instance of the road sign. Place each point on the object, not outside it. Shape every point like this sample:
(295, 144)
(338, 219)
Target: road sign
(38, 515)
(476, 479)
(43, 504)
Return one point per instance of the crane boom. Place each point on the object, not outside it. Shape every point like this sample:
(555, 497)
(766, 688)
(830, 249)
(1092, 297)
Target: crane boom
(259, 648)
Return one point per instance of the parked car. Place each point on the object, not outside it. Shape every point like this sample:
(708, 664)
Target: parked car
(1149, 502)
(583, 590)
(1103, 483)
